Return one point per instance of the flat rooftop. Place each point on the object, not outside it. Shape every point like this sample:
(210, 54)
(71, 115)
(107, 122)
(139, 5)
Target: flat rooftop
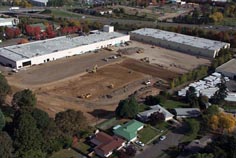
(229, 66)
(43, 47)
(181, 39)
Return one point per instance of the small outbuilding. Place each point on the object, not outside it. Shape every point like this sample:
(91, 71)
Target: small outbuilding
(186, 112)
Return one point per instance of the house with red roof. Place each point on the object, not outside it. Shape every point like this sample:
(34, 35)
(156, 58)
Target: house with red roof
(106, 144)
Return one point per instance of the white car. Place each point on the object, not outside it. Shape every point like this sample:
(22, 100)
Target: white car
(148, 82)
(162, 138)
(139, 143)
(14, 70)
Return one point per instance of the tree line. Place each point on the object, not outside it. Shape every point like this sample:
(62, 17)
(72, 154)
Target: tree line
(29, 132)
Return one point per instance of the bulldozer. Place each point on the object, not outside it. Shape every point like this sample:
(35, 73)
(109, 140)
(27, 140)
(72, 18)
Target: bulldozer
(94, 70)
(111, 86)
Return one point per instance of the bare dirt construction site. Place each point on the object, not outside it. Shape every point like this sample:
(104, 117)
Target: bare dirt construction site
(71, 83)
(167, 59)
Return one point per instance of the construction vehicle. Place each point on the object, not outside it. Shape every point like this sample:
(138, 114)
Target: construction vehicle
(146, 59)
(109, 48)
(139, 51)
(85, 96)
(94, 70)
(111, 86)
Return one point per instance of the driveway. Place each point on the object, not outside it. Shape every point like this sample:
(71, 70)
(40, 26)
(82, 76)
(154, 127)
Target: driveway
(173, 138)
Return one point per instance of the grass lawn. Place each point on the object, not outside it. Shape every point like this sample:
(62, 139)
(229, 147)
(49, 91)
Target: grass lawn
(229, 107)
(170, 104)
(82, 147)
(105, 125)
(228, 22)
(147, 134)
(189, 137)
(143, 107)
(162, 126)
(65, 153)
(64, 14)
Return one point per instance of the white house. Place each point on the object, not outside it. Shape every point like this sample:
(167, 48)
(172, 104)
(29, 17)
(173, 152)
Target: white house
(144, 116)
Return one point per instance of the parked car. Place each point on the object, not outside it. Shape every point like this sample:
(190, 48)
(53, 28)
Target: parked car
(14, 70)
(162, 138)
(139, 143)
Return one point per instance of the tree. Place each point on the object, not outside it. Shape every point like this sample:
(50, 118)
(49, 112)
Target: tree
(203, 155)
(156, 118)
(6, 147)
(194, 126)
(222, 122)
(130, 150)
(70, 121)
(24, 98)
(152, 100)
(34, 154)
(4, 89)
(223, 146)
(2, 120)
(54, 139)
(27, 138)
(220, 94)
(191, 97)
(203, 100)
(212, 110)
(217, 17)
(127, 108)
(41, 117)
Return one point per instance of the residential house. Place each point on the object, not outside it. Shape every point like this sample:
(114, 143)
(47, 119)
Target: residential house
(106, 144)
(129, 130)
(144, 116)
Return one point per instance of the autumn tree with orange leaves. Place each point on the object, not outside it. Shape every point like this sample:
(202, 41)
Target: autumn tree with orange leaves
(222, 122)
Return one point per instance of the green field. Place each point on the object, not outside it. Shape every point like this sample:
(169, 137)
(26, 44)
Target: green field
(170, 104)
(147, 134)
(63, 13)
(82, 147)
(66, 153)
(228, 22)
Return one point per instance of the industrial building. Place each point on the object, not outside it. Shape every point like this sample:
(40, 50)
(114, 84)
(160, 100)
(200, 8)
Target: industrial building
(183, 43)
(19, 56)
(10, 22)
(228, 69)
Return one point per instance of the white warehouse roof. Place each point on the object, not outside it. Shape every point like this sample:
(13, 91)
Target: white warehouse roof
(38, 48)
(229, 67)
(181, 39)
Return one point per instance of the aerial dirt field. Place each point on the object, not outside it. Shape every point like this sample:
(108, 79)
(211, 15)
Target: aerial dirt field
(65, 83)
(61, 69)
(103, 98)
(168, 59)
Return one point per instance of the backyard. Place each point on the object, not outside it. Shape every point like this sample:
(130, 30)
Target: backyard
(171, 104)
(147, 134)
(66, 153)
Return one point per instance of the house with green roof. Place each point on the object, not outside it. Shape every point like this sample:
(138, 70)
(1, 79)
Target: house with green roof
(129, 130)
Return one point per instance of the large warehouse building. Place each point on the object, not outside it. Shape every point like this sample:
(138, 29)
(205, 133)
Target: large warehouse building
(228, 69)
(184, 43)
(38, 52)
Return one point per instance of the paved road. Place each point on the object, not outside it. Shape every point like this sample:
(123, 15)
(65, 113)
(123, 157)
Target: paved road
(172, 139)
